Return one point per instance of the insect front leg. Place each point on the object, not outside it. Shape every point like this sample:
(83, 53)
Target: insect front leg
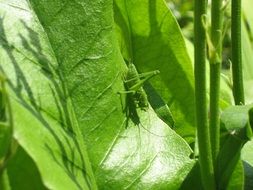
(146, 75)
(141, 78)
(126, 92)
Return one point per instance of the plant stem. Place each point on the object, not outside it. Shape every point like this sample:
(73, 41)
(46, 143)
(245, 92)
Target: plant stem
(205, 156)
(215, 69)
(236, 53)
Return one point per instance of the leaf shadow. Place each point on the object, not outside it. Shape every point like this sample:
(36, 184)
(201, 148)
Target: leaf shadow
(58, 90)
(163, 49)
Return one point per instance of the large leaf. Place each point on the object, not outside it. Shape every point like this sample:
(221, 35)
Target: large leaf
(150, 36)
(43, 122)
(121, 158)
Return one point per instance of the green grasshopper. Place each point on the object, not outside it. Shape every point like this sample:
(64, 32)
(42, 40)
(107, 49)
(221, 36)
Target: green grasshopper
(136, 96)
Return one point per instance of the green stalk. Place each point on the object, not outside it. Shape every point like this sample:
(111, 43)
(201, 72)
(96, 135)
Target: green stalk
(236, 53)
(205, 156)
(215, 69)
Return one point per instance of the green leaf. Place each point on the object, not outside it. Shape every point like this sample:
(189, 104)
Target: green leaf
(23, 173)
(247, 157)
(235, 121)
(246, 4)
(247, 56)
(43, 123)
(247, 59)
(193, 179)
(160, 107)
(149, 35)
(247, 53)
(236, 181)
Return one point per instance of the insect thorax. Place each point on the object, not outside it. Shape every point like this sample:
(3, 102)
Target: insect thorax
(132, 75)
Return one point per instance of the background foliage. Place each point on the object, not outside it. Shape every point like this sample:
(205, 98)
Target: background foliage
(64, 64)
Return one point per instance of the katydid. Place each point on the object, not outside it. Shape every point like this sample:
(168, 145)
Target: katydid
(136, 97)
(133, 83)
